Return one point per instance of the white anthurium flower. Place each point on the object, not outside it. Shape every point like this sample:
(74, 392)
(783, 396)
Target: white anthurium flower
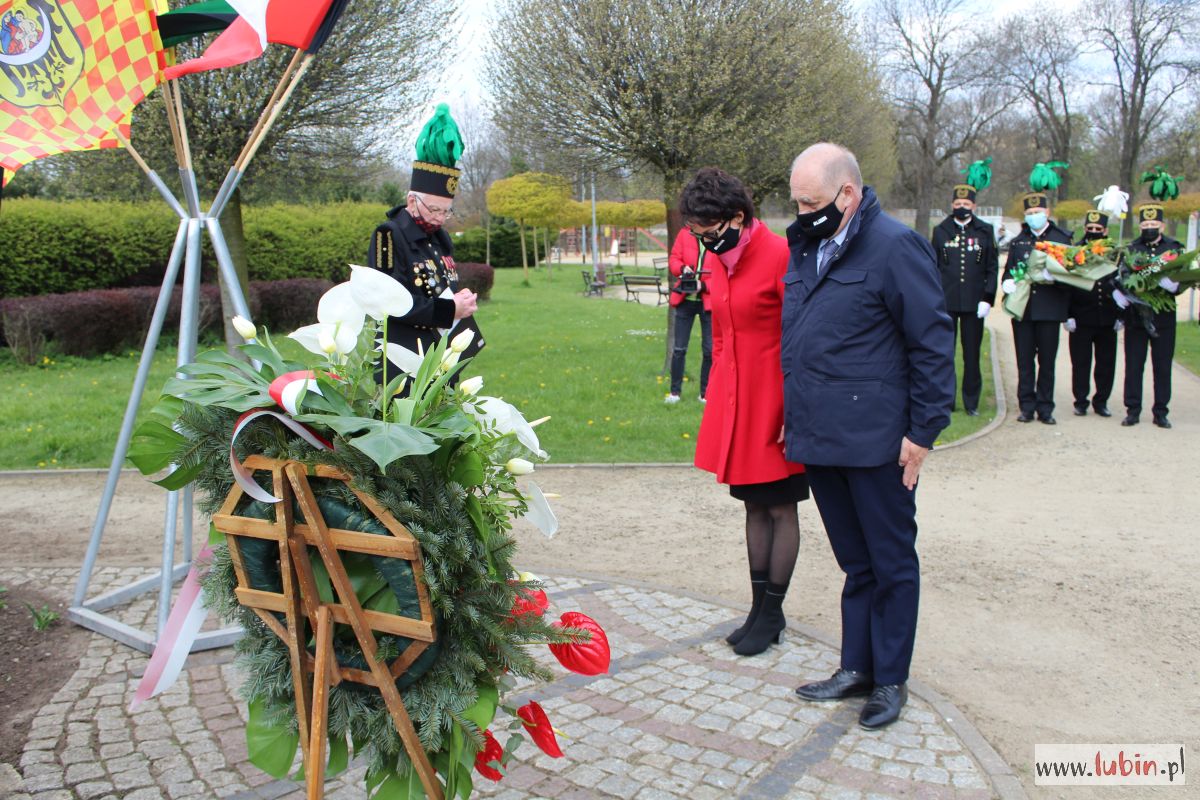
(540, 513)
(379, 294)
(471, 386)
(462, 341)
(507, 419)
(338, 307)
(407, 361)
(1113, 202)
(518, 466)
(314, 338)
(245, 328)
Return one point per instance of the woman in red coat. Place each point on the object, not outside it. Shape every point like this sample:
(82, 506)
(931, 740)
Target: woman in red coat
(740, 433)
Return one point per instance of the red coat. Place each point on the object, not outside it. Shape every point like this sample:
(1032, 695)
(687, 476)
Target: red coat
(686, 253)
(744, 414)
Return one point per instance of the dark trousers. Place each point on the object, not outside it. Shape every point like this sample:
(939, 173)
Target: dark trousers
(1102, 340)
(685, 313)
(969, 326)
(871, 522)
(1037, 347)
(1162, 351)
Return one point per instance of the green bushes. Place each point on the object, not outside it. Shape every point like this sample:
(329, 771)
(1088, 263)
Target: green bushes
(50, 248)
(476, 277)
(471, 244)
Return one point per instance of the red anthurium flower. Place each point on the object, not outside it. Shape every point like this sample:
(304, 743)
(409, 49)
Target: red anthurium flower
(530, 601)
(492, 751)
(540, 729)
(586, 658)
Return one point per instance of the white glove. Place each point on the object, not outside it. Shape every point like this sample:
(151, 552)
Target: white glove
(1168, 284)
(1120, 299)
(1118, 325)
(984, 308)
(1069, 326)
(1047, 277)
(1009, 286)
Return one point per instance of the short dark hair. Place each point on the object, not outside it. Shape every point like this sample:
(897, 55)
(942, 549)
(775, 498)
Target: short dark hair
(715, 196)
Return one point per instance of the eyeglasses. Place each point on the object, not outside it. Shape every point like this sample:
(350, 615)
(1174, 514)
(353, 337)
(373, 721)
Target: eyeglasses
(445, 213)
(712, 234)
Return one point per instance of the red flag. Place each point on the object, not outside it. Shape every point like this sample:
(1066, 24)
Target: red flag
(290, 22)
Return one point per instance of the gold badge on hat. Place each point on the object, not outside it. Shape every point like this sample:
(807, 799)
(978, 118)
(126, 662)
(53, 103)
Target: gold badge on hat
(962, 193)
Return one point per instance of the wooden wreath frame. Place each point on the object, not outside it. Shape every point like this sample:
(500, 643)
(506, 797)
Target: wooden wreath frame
(300, 601)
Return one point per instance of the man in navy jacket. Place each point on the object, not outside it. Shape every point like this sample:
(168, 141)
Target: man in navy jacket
(868, 364)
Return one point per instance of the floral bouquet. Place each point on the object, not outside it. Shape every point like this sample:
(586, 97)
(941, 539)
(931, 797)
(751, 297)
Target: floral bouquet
(443, 460)
(1151, 282)
(1049, 262)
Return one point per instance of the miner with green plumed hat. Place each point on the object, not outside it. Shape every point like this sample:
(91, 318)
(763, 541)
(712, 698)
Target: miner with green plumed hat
(1146, 329)
(1035, 335)
(968, 263)
(413, 248)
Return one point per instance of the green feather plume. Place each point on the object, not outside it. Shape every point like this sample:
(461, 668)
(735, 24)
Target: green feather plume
(1163, 187)
(1043, 178)
(440, 142)
(979, 174)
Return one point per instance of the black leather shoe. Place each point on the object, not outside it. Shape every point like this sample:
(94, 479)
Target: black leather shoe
(972, 412)
(1130, 420)
(883, 706)
(843, 683)
(1081, 411)
(1048, 420)
(1102, 411)
(1025, 417)
(1162, 422)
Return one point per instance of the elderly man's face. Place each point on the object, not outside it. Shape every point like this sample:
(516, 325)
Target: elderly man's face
(430, 207)
(963, 202)
(1152, 225)
(810, 190)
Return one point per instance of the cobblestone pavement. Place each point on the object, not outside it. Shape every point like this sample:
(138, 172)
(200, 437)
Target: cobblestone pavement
(678, 715)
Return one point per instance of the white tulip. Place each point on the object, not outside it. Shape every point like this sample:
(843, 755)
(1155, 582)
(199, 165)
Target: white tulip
(449, 360)
(461, 342)
(379, 294)
(471, 386)
(519, 466)
(245, 328)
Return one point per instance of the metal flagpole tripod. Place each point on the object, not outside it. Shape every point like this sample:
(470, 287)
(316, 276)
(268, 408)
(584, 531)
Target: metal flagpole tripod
(92, 613)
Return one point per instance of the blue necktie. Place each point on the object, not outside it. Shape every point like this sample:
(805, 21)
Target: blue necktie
(825, 253)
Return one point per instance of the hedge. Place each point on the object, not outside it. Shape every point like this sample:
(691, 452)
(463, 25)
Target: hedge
(479, 278)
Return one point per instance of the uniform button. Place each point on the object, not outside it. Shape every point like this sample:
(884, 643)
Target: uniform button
(854, 397)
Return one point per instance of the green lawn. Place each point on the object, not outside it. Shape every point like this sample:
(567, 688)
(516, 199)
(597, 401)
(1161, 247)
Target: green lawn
(960, 424)
(1187, 345)
(592, 365)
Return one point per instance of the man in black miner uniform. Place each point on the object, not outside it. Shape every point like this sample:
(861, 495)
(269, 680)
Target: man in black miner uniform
(412, 247)
(1093, 326)
(968, 263)
(1036, 335)
(1138, 335)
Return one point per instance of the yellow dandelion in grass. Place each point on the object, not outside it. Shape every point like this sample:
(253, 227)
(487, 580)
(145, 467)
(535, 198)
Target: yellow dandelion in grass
(590, 422)
(541, 386)
(41, 463)
(687, 436)
(95, 383)
(686, 379)
(29, 430)
(608, 419)
(502, 375)
(658, 378)
(608, 438)
(45, 360)
(54, 461)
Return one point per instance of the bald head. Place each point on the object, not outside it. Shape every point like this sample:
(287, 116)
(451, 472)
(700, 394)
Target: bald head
(826, 173)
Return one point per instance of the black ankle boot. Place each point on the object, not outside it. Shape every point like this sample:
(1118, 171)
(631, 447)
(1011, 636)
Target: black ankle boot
(758, 585)
(768, 625)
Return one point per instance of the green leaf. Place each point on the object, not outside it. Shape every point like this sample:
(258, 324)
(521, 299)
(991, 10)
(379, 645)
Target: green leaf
(179, 478)
(466, 782)
(153, 446)
(339, 756)
(343, 425)
(483, 710)
(215, 537)
(267, 356)
(270, 744)
(467, 471)
(401, 787)
(402, 410)
(385, 442)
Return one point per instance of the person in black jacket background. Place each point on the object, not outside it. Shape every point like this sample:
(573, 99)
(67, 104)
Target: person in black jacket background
(968, 263)
(1156, 333)
(1036, 335)
(1093, 326)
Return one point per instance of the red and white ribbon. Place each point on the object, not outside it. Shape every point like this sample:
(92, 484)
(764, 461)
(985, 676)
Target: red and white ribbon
(284, 390)
(183, 625)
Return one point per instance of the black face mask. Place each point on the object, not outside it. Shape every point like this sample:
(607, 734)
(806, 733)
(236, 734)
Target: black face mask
(1091, 236)
(1150, 235)
(961, 214)
(725, 242)
(823, 223)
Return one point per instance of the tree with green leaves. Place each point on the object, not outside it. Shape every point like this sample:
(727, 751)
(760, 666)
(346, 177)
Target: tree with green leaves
(673, 85)
(532, 199)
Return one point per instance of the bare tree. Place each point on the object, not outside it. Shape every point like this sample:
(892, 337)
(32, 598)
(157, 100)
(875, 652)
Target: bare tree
(1151, 46)
(1042, 69)
(933, 73)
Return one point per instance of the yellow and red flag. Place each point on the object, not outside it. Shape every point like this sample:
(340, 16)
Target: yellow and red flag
(71, 72)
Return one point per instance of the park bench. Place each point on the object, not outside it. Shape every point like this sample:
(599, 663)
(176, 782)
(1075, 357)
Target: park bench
(593, 284)
(636, 285)
(660, 265)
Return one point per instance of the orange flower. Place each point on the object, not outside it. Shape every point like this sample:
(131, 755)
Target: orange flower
(1080, 257)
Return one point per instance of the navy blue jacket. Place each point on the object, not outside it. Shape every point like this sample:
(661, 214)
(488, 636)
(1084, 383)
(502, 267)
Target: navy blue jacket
(868, 348)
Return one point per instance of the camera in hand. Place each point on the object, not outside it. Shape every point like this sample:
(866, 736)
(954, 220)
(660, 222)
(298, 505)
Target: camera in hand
(691, 282)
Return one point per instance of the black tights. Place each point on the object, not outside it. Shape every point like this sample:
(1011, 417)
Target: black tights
(773, 540)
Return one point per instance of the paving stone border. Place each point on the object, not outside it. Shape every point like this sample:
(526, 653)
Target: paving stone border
(677, 716)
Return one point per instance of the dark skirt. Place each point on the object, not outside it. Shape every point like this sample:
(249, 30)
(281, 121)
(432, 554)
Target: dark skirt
(791, 489)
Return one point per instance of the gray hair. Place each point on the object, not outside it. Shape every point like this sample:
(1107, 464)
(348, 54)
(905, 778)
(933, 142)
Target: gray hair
(838, 164)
